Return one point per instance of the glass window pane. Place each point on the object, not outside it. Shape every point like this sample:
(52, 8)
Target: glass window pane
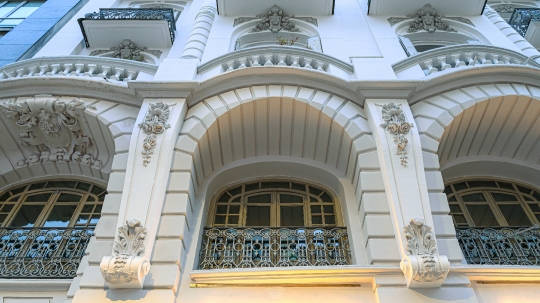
(221, 209)
(503, 197)
(265, 198)
(234, 209)
(329, 220)
(315, 209)
(313, 199)
(316, 220)
(536, 195)
(18, 190)
(258, 216)
(252, 186)
(460, 186)
(69, 184)
(96, 190)
(8, 7)
(292, 216)
(233, 220)
(326, 198)
(274, 184)
(455, 209)
(477, 197)
(88, 208)
(7, 208)
(2, 218)
(69, 198)
(505, 185)
(26, 10)
(60, 216)
(219, 220)
(459, 219)
(514, 215)
(11, 22)
(5, 196)
(534, 207)
(83, 186)
(524, 190)
(284, 198)
(452, 199)
(224, 198)
(98, 209)
(37, 186)
(473, 184)
(297, 186)
(328, 209)
(315, 190)
(447, 190)
(27, 216)
(38, 197)
(235, 191)
(482, 215)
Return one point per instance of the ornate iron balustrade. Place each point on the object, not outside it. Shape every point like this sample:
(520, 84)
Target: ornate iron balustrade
(117, 70)
(166, 14)
(273, 247)
(460, 56)
(500, 245)
(522, 17)
(42, 253)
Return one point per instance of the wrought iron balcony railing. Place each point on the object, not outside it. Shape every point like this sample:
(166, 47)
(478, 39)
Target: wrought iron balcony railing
(273, 247)
(522, 17)
(166, 14)
(500, 245)
(42, 253)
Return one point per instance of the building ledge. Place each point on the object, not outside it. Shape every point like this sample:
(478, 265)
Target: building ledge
(499, 273)
(35, 285)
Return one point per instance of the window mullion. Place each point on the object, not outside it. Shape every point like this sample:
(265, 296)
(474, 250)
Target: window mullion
(78, 211)
(495, 208)
(16, 207)
(307, 210)
(47, 209)
(274, 210)
(15, 9)
(526, 207)
(464, 209)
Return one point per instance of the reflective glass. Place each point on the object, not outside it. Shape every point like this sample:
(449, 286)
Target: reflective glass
(64, 197)
(27, 216)
(233, 220)
(38, 198)
(482, 215)
(292, 216)
(499, 197)
(329, 219)
(69, 184)
(473, 184)
(477, 197)
(26, 10)
(265, 198)
(284, 198)
(514, 215)
(60, 216)
(224, 198)
(258, 216)
(253, 186)
(8, 7)
(234, 209)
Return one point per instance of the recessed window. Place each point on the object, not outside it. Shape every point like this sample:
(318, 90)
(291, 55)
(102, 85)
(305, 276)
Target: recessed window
(490, 203)
(52, 204)
(275, 204)
(14, 12)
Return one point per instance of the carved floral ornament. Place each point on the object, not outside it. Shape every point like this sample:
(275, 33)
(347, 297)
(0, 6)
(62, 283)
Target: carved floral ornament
(56, 127)
(128, 50)
(155, 123)
(127, 267)
(422, 265)
(274, 20)
(396, 124)
(429, 20)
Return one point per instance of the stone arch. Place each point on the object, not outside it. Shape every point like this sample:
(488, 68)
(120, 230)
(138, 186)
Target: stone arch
(216, 120)
(451, 126)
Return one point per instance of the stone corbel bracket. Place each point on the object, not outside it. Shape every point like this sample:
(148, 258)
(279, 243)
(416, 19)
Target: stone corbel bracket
(423, 266)
(155, 123)
(127, 268)
(395, 124)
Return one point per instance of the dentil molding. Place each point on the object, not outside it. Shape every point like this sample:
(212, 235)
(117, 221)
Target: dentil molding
(155, 123)
(127, 268)
(423, 266)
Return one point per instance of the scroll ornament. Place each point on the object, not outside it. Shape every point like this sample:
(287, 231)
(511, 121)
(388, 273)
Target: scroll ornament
(395, 124)
(423, 266)
(155, 123)
(127, 267)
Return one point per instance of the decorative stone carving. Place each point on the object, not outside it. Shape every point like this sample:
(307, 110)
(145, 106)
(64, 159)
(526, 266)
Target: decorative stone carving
(395, 20)
(127, 268)
(504, 8)
(275, 20)
(423, 266)
(155, 123)
(127, 50)
(427, 19)
(58, 129)
(396, 124)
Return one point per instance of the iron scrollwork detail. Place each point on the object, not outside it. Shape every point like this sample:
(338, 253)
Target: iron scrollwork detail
(396, 124)
(422, 263)
(155, 123)
(127, 267)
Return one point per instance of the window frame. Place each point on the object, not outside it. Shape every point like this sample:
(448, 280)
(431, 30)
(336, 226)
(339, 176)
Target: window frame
(15, 9)
(454, 197)
(18, 201)
(275, 204)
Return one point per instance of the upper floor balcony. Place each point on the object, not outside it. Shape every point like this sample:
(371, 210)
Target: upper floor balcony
(146, 27)
(526, 21)
(409, 7)
(256, 7)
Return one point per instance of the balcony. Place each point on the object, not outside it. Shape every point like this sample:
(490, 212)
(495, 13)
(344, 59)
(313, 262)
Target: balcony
(273, 247)
(110, 69)
(42, 253)
(256, 7)
(146, 27)
(526, 21)
(285, 56)
(500, 245)
(410, 7)
(459, 56)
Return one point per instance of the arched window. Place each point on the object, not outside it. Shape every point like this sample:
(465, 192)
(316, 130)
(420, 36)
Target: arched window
(58, 203)
(485, 203)
(275, 204)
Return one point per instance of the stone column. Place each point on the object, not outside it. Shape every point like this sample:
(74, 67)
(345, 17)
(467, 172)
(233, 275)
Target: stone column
(144, 184)
(201, 30)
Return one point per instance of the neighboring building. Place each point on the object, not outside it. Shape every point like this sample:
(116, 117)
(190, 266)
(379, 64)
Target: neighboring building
(270, 151)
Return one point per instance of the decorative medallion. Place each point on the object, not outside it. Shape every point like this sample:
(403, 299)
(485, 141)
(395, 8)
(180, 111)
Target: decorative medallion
(127, 50)
(396, 124)
(427, 19)
(275, 20)
(155, 123)
(57, 128)
(127, 267)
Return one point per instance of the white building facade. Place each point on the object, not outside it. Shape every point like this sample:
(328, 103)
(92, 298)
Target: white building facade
(272, 151)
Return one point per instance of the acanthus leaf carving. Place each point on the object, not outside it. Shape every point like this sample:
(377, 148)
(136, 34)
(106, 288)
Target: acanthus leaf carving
(127, 50)
(396, 124)
(427, 19)
(275, 20)
(422, 265)
(155, 123)
(504, 8)
(127, 267)
(57, 127)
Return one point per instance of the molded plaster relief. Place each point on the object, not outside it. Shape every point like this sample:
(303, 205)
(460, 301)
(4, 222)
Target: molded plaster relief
(395, 124)
(155, 123)
(127, 268)
(427, 19)
(128, 50)
(423, 264)
(504, 8)
(275, 20)
(57, 128)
